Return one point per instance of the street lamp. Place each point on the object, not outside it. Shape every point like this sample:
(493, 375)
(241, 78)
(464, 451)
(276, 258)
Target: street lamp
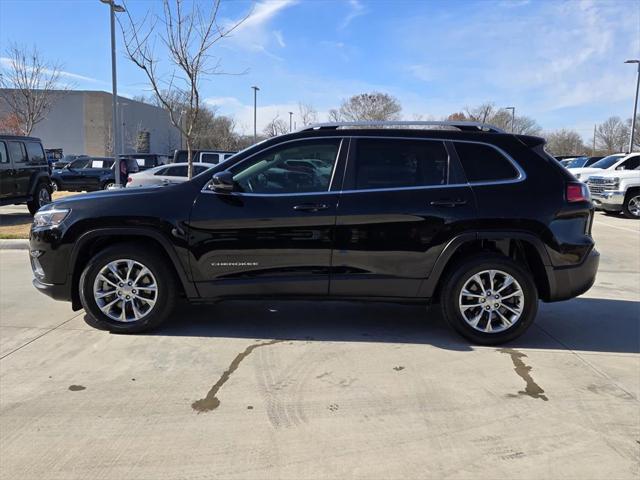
(255, 113)
(513, 117)
(635, 105)
(113, 8)
(290, 122)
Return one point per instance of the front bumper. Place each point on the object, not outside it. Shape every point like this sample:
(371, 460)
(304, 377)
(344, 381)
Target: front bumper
(608, 200)
(569, 282)
(57, 292)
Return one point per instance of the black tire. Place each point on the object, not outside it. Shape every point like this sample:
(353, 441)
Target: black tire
(631, 196)
(463, 271)
(165, 280)
(41, 196)
(107, 184)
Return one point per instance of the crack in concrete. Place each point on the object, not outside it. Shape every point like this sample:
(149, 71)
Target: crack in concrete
(532, 389)
(210, 401)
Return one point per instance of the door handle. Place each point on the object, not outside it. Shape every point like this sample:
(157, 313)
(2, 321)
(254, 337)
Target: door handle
(449, 202)
(311, 207)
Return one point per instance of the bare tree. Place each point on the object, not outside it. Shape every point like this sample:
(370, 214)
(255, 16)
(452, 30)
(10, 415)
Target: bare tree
(501, 118)
(367, 106)
(30, 86)
(612, 136)
(307, 113)
(276, 127)
(188, 35)
(565, 142)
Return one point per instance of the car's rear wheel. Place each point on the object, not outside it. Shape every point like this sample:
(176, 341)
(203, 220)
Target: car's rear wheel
(41, 196)
(631, 207)
(489, 299)
(127, 289)
(108, 185)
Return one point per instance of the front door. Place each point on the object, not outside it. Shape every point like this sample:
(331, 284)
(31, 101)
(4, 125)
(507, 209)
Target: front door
(273, 234)
(402, 201)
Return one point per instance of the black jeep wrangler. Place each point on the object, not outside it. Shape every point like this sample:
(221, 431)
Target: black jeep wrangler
(482, 221)
(24, 172)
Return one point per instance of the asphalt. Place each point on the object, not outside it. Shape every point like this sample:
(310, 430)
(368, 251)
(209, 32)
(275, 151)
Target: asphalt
(297, 390)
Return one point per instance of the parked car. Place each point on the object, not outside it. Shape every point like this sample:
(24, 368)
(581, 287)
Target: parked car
(617, 191)
(579, 162)
(146, 161)
(88, 174)
(206, 156)
(166, 174)
(617, 161)
(481, 221)
(24, 172)
(66, 159)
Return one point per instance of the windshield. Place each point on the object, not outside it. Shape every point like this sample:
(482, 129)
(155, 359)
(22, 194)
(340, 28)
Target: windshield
(607, 162)
(576, 162)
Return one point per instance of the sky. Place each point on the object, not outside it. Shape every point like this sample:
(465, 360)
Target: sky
(559, 62)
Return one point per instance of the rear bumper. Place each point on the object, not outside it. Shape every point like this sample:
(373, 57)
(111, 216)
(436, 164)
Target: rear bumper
(569, 282)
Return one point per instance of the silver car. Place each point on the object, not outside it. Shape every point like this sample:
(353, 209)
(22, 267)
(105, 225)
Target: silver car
(165, 174)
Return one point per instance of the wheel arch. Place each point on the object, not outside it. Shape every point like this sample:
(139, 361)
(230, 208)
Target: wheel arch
(36, 179)
(93, 241)
(522, 247)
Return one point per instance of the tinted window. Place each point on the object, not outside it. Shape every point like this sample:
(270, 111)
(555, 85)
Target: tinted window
(81, 163)
(209, 158)
(17, 152)
(389, 163)
(607, 162)
(180, 171)
(483, 163)
(4, 158)
(631, 163)
(35, 152)
(198, 169)
(294, 168)
(161, 171)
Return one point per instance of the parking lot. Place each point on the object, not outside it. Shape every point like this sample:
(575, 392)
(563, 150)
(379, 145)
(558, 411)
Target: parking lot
(324, 390)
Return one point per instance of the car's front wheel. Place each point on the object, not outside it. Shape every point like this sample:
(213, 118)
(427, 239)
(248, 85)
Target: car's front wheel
(631, 207)
(489, 299)
(127, 289)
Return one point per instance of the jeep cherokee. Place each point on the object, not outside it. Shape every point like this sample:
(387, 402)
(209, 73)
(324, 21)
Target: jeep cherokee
(484, 222)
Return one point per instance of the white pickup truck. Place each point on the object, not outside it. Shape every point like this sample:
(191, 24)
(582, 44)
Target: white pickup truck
(617, 191)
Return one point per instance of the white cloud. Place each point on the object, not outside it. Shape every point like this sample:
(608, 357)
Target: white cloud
(279, 38)
(7, 63)
(356, 9)
(421, 72)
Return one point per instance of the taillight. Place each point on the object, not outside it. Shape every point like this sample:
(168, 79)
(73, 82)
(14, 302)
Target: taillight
(129, 179)
(577, 192)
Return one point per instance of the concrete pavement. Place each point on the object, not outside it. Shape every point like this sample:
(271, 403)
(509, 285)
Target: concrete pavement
(324, 390)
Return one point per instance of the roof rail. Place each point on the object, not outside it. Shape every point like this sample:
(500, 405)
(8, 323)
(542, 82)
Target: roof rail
(463, 126)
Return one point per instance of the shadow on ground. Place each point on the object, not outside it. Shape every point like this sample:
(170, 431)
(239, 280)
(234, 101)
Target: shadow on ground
(14, 218)
(586, 324)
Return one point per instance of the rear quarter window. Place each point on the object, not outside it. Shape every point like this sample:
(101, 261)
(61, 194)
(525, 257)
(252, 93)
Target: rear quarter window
(35, 153)
(483, 163)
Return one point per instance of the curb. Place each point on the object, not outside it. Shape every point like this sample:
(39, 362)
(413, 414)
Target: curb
(17, 244)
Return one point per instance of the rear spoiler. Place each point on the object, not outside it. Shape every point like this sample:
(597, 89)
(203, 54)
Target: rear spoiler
(530, 140)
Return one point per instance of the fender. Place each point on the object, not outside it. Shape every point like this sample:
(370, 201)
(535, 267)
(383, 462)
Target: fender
(187, 284)
(429, 285)
(35, 179)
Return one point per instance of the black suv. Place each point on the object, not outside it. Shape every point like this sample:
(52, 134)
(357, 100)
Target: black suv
(482, 221)
(24, 172)
(88, 174)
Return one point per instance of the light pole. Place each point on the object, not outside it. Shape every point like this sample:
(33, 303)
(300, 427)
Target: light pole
(113, 8)
(255, 113)
(290, 122)
(635, 105)
(513, 117)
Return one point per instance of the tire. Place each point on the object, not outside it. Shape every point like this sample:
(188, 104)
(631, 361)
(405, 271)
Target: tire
(111, 318)
(55, 186)
(631, 207)
(490, 328)
(107, 185)
(41, 196)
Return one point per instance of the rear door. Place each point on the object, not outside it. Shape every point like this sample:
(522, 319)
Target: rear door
(21, 171)
(7, 182)
(402, 201)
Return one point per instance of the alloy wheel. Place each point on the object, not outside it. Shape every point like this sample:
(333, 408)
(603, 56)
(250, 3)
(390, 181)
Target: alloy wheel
(634, 206)
(125, 290)
(44, 197)
(491, 301)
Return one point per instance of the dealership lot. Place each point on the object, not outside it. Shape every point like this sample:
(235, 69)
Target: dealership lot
(324, 390)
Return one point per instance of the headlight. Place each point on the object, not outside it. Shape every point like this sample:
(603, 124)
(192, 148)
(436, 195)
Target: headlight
(50, 218)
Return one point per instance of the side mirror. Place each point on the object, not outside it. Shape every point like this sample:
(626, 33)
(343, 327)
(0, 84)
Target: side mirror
(222, 182)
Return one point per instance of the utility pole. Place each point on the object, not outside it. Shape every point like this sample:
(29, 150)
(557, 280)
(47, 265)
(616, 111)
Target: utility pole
(113, 8)
(513, 117)
(255, 113)
(635, 105)
(290, 122)
(593, 150)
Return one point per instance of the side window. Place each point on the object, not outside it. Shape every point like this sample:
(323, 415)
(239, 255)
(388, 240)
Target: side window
(198, 169)
(209, 157)
(631, 163)
(161, 171)
(82, 163)
(303, 167)
(36, 153)
(483, 163)
(4, 157)
(179, 171)
(17, 152)
(397, 163)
